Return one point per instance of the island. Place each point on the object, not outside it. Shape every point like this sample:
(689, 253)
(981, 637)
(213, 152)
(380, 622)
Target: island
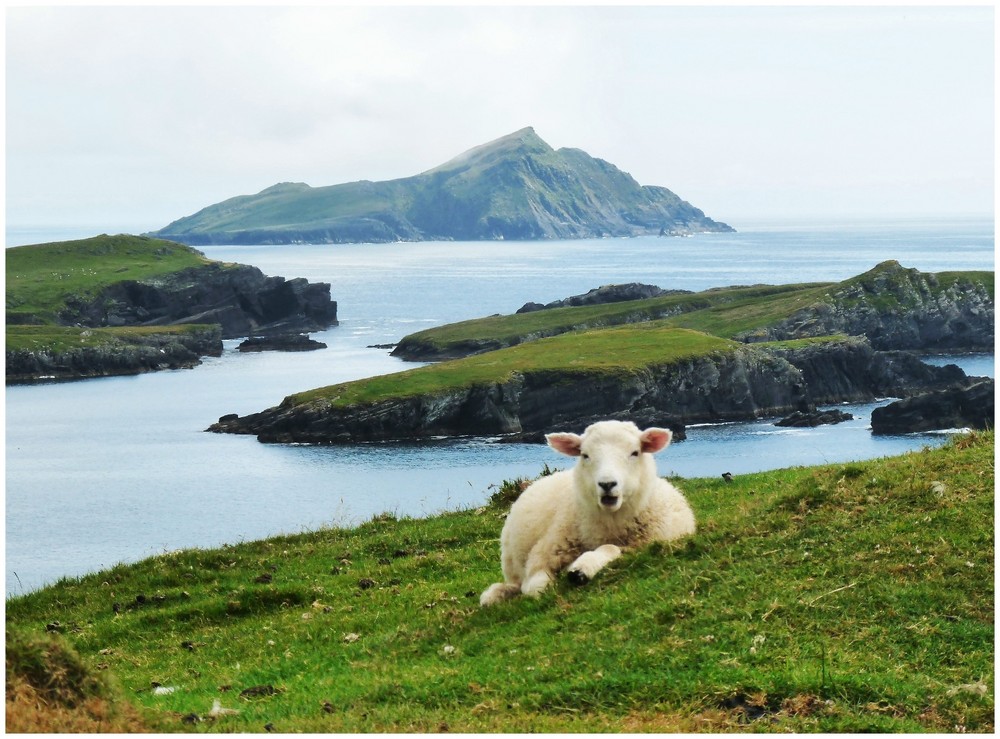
(516, 187)
(112, 305)
(724, 355)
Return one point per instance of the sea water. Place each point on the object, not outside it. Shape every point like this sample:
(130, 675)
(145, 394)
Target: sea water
(117, 469)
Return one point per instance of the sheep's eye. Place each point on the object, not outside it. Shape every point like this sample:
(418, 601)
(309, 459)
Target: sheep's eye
(635, 454)
(585, 456)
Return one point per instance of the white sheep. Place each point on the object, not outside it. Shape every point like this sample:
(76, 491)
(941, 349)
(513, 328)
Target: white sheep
(584, 517)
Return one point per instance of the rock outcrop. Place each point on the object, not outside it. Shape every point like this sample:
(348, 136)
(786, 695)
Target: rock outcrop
(850, 370)
(811, 419)
(898, 308)
(605, 294)
(241, 299)
(281, 343)
(954, 408)
(740, 384)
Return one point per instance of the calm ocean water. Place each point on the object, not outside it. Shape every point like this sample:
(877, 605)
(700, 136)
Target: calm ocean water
(117, 469)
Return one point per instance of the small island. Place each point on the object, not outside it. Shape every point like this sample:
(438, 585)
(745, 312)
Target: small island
(516, 187)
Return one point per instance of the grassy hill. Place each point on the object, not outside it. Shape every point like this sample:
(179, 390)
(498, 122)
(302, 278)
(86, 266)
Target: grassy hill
(517, 187)
(42, 277)
(846, 598)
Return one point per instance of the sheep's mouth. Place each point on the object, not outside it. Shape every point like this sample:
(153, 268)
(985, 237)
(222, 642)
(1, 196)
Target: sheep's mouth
(609, 501)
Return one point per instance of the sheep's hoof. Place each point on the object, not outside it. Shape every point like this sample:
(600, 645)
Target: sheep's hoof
(577, 577)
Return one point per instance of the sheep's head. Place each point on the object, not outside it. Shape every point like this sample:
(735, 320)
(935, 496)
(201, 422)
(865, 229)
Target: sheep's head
(615, 459)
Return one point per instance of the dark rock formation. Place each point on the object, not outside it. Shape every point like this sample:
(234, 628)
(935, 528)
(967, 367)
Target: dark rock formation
(240, 298)
(605, 294)
(281, 343)
(801, 419)
(898, 308)
(851, 371)
(953, 408)
(130, 356)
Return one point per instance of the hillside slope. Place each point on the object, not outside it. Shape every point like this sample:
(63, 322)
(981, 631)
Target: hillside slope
(516, 187)
(847, 598)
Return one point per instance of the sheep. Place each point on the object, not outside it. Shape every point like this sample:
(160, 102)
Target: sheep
(584, 517)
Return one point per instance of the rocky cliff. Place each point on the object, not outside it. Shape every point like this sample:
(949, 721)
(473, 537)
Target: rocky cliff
(516, 187)
(740, 384)
(850, 370)
(117, 285)
(241, 299)
(898, 308)
(127, 354)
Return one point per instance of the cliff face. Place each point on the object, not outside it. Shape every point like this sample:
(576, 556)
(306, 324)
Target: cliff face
(240, 298)
(897, 308)
(516, 187)
(119, 286)
(851, 370)
(742, 384)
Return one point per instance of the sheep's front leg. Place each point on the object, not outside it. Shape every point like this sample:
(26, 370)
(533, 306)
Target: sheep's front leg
(536, 583)
(590, 563)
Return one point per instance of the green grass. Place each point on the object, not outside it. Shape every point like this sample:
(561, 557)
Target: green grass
(739, 308)
(845, 598)
(57, 339)
(40, 278)
(616, 350)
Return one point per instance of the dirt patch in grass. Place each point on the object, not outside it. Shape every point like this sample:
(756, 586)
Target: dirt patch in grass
(50, 690)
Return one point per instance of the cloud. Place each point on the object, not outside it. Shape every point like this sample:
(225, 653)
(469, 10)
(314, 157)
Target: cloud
(154, 112)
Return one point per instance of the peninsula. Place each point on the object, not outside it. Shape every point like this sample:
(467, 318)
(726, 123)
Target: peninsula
(516, 187)
(112, 305)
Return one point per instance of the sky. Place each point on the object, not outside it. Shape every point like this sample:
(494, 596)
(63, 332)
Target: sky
(125, 118)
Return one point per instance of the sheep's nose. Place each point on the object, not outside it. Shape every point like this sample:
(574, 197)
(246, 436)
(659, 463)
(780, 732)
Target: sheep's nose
(607, 487)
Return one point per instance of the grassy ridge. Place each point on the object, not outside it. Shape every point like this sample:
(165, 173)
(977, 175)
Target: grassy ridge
(725, 312)
(748, 305)
(845, 598)
(64, 338)
(620, 349)
(41, 277)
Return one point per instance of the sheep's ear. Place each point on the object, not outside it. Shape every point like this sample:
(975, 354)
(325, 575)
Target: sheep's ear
(568, 444)
(654, 439)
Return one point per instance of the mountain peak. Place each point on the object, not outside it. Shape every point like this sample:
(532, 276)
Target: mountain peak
(524, 140)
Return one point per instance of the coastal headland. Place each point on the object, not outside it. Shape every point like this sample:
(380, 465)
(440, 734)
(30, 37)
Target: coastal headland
(125, 304)
(731, 354)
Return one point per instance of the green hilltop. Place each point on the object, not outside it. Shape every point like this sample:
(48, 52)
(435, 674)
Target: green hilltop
(844, 598)
(42, 277)
(517, 187)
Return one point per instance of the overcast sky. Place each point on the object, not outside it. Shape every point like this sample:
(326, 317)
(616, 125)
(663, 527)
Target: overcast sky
(126, 118)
